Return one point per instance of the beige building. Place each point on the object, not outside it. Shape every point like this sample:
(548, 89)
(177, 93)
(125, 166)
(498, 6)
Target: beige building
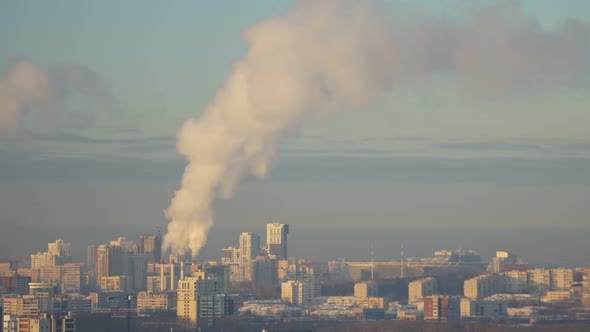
(44, 259)
(366, 289)
(26, 305)
(561, 279)
(372, 302)
(61, 249)
(421, 288)
(481, 286)
(187, 299)
(557, 296)
(292, 292)
(515, 281)
(114, 283)
(148, 301)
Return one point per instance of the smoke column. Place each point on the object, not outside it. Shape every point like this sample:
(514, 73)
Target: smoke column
(324, 54)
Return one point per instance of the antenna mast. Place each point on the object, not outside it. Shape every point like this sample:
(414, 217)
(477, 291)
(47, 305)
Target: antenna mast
(372, 261)
(403, 274)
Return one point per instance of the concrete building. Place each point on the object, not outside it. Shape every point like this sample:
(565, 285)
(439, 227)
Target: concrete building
(102, 262)
(91, 255)
(561, 279)
(230, 255)
(539, 281)
(70, 278)
(34, 324)
(187, 300)
(44, 293)
(366, 289)
(249, 248)
(151, 246)
(306, 286)
(482, 286)
(114, 284)
(442, 307)
(44, 259)
(149, 301)
(515, 282)
(216, 306)
(471, 308)
(61, 249)
(421, 288)
(276, 240)
(557, 296)
(292, 292)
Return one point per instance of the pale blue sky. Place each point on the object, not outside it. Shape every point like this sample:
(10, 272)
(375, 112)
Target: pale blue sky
(163, 62)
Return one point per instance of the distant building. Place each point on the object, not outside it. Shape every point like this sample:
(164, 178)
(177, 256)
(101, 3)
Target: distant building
(91, 255)
(187, 300)
(442, 307)
(302, 286)
(366, 289)
(44, 259)
(292, 292)
(482, 286)
(61, 249)
(276, 240)
(230, 255)
(149, 301)
(249, 248)
(151, 246)
(420, 288)
(114, 283)
(44, 292)
(471, 308)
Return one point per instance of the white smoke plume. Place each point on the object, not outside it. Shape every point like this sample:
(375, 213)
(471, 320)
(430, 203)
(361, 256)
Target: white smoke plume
(322, 54)
(29, 90)
(20, 85)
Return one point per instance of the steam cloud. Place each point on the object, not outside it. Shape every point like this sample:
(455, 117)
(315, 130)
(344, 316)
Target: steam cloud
(26, 88)
(323, 54)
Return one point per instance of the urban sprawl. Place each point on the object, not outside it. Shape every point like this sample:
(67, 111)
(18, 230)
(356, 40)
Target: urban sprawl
(257, 282)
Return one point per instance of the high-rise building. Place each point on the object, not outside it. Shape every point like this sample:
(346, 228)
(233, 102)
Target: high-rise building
(61, 249)
(151, 246)
(276, 240)
(102, 262)
(187, 300)
(249, 246)
(421, 288)
(91, 255)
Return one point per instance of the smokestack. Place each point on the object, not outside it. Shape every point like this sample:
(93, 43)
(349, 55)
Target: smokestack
(172, 275)
(182, 269)
(162, 280)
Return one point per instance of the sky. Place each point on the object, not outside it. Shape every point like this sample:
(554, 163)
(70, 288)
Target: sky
(479, 148)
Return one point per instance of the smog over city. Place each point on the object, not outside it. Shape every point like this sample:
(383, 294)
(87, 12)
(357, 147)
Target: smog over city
(339, 162)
